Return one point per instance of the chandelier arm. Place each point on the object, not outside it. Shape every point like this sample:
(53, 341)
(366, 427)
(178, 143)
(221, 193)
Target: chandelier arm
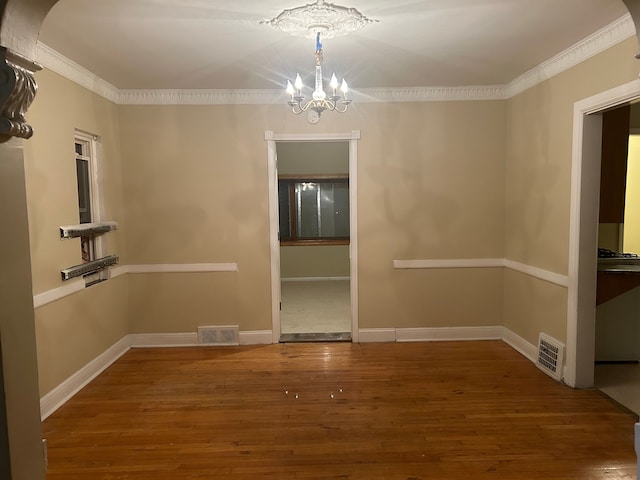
(342, 109)
(307, 106)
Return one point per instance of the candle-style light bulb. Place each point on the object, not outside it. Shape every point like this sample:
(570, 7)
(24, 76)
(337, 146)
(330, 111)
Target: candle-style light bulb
(298, 84)
(290, 89)
(333, 83)
(344, 88)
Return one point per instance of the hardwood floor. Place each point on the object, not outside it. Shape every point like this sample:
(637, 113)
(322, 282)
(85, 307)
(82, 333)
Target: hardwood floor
(441, 410)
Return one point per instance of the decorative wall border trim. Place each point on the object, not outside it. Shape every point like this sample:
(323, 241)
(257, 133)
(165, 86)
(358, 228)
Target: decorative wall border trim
(183, 268)
(77, 286)
(57, 397)
(118, 270)
(546, 275)
(599, 41)
(57, 293)
(314, 279)
(450, 263)
(69, 289)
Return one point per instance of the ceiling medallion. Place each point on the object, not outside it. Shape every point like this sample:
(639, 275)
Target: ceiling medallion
(320, 17)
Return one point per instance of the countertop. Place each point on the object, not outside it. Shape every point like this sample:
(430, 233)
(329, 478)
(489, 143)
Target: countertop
(619, 264)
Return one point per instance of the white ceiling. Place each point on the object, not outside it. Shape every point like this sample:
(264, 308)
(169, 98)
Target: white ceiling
(220, 44)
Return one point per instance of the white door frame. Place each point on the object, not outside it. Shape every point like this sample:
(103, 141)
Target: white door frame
(583, 230)
(274, 225)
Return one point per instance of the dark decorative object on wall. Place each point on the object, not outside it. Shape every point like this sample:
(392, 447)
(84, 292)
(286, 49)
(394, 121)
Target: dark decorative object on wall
(17, 90)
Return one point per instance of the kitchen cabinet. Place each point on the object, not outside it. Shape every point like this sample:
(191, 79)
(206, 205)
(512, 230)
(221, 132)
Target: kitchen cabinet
(613, 170)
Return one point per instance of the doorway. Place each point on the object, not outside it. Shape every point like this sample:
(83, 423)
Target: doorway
(583, 235)
(301, 280)
(313, 208)
(617, 331)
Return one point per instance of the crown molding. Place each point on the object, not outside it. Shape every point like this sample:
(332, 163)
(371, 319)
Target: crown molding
(614, 33)
(58, 63)
(430, 94)
(200, 97)
(605, 38)
(268, 97)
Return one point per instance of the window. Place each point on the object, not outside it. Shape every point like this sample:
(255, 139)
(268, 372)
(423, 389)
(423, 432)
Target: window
(314, 209)
(88, 199)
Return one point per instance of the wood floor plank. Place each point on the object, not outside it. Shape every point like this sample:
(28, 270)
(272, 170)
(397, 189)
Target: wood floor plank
(419, 411)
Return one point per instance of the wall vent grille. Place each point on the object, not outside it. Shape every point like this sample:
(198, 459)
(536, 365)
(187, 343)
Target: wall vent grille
(550, 356)
(219, 335)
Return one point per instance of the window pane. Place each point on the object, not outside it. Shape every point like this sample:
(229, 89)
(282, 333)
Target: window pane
(283, 205)
(334, 210)
(84, 198)
(313, 210)
(307, 210)
(341, 209)
(327, 223)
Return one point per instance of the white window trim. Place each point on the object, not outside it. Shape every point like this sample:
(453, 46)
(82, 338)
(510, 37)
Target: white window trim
(94, 157)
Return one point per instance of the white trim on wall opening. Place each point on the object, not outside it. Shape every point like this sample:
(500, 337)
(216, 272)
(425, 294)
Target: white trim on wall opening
(271, 139)
(585, 194)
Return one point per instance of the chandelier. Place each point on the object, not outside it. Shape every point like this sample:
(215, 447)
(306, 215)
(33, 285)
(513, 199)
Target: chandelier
(319, 101)
(311, 21)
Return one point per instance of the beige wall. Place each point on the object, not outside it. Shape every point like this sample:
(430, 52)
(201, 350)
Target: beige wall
(314, 261)
(17, 332)
(538, 179)
(313, 157)
(76, 329)
(197, 188)
(71, 331)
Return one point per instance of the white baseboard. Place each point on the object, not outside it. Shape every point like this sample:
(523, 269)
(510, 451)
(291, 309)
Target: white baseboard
(186, 339)
(369, 335)
(519, 344)
(512, 339)
(429, 334)
(57, 397)
(256, 337)
(448, 334)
